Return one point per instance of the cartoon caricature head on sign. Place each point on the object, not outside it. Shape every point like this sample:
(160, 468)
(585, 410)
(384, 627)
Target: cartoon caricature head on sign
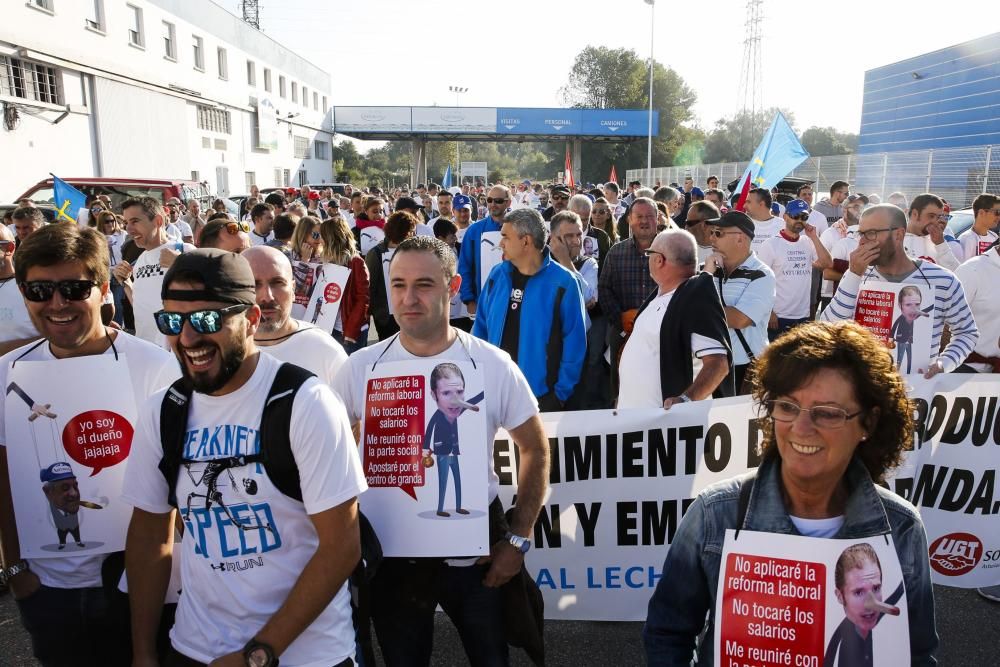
(858, 578)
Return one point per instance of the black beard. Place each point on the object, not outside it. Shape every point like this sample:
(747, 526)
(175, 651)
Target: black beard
(231, 362)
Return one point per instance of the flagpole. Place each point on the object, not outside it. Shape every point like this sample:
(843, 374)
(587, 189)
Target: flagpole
(649, 127)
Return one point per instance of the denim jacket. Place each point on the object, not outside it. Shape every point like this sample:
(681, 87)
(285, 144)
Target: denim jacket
(687, 591)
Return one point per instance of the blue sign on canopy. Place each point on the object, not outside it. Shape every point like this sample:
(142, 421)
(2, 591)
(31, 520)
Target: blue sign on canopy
(575, 122)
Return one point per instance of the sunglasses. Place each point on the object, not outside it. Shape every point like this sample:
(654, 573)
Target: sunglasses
(801, 217)
(207, 321)
(496, 200)
(43, 290)
(718, 233)
(600, 211)
(236, 227)
(7, 246)
(315, 235)
(563, 197)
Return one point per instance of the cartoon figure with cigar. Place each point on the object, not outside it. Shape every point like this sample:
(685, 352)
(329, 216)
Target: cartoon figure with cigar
(902, 329)
(441, 435)
(858, 581)
(61, 490)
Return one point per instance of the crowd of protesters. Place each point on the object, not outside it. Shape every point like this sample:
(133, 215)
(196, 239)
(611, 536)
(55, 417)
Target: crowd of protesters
(583, 298)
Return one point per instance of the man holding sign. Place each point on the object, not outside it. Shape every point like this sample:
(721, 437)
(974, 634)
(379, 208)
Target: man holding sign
(422, 280)
(62, 271)
(880, 258)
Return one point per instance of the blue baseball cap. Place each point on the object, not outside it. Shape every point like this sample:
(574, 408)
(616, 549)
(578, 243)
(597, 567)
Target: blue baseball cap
(697, 192)
(56, 472)
(461, 201)
(796, 207)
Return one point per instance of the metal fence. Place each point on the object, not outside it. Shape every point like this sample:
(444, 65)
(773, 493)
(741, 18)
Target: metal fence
(957, 174)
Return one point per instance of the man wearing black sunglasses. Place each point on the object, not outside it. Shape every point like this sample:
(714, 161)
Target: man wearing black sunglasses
(62, 272)
(264, 574)
(16, 327)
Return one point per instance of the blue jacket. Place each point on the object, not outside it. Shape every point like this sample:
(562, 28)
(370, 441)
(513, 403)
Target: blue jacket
(553, 340)
(688, 591)
(468, 258)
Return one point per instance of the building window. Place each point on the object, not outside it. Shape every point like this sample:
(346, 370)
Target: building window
(303, 177)
(28, 81)
(198, 45)
(286, 177)
(267, 80)
(315, 102)
(95, 21)
(223, 64)
(295, 92)
(324, 104)
(277, 178)
(281, 86)
(195, 176)
(250, 179)
(305, 97)
(251, 73)
(301, 148)
(169, 41)
(44, 5)
(135, 33)
(214, 120)
(319, 150)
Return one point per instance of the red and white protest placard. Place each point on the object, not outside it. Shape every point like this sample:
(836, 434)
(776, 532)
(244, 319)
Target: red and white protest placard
(793, 600)
(324, 304)
(424, 453)
(901, 315)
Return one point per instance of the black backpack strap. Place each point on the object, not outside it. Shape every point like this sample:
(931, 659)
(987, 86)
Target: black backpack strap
(275, 421)
(746, 488)
(173, 425)
(753, 275)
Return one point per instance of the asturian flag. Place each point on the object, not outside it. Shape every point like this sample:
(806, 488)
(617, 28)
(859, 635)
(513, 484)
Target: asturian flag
(778, 154)
(446, 181)
(68, 200)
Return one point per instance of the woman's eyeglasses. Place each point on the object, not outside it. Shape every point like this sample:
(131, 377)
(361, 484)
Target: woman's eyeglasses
(237, 227)
(823, 416)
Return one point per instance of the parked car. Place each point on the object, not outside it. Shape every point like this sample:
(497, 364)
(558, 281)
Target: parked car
(960, 221)
(786, 188)
(48, 211)
(120, 189)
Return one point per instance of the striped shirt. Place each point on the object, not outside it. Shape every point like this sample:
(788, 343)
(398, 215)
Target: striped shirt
(750, 289)
(950, 307)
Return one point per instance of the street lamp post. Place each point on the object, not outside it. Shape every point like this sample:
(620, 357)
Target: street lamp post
(458, 90)
(649, 129)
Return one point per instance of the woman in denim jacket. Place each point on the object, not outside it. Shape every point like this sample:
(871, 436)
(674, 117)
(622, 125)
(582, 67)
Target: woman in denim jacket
(837, 418)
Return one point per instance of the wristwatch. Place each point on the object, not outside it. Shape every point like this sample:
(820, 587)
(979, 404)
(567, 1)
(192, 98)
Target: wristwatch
(522, 544)
(9, 573)
(684, 398)
(259, 654)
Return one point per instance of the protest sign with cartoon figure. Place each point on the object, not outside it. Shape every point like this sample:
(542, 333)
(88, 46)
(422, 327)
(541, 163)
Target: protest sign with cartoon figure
(423, 423)
(305, 276)
(901, 316)
(490, 254)
(788, 599)
(324, 304)
(66, 449)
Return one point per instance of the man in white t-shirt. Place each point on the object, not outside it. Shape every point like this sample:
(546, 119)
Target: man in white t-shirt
(792, 255)
(63, 603)
(262, 224)
(680, 331)
(279, 334)
(16, 327)
(423, 278)
(925, 233)
(978, 238)
(840, 238)
(766, 225)
(177, 229)
(263, 574)
(144, 222)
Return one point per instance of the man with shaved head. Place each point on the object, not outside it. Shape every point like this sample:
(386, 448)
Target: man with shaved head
(279, 334)
(689, 346)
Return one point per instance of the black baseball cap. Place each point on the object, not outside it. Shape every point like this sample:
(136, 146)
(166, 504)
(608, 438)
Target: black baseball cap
(407, 204)
(226, 277)
(737, 219)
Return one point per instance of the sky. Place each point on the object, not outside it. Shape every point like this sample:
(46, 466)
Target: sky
(517, 53)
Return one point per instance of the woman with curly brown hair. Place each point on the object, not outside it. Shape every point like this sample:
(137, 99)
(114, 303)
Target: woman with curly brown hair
(836, 419)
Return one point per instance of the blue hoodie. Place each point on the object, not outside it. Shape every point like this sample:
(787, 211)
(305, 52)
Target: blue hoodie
(553, 339)
(468, 258)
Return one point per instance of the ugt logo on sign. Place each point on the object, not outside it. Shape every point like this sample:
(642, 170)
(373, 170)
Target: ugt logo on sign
(955, 553)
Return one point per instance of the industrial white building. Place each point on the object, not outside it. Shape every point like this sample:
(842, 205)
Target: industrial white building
(177, 89)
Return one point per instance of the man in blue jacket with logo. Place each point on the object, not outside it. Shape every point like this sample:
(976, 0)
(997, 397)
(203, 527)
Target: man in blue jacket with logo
(485, 232)
(531, 294)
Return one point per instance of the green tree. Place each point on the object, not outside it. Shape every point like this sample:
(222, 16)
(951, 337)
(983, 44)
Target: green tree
(733, 139)
(605, 78)
(828, 141)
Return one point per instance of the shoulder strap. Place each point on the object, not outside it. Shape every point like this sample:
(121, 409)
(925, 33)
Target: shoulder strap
(746, 488)
(739, 332)
(173, 424)
(275, 421)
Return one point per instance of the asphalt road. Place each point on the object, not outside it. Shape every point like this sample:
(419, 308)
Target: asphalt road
(968, 625)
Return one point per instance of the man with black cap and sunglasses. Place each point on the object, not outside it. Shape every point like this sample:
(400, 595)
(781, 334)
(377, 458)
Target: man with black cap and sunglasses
(747, 288)
(266, 555)
(63, 274)
(792, 255)
(560, 201)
